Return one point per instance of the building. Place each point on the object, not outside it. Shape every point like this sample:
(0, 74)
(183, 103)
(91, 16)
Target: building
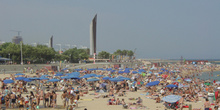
(51, 42)
(93, 36)
(17, 39)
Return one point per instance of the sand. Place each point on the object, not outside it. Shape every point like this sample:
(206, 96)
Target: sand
(101, 103)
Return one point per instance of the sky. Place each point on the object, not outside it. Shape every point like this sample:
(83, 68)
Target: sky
(158, 29)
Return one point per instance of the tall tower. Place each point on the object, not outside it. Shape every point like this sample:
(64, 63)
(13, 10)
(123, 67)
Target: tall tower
(93, 36)
(51, 42)
(17, 39)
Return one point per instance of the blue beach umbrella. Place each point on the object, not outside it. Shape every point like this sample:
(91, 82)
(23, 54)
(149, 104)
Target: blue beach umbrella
(126, 71)
(125, 78)
(8, 81)
(27, 80)
(113, 71)
(171, 98)
(73, 74)
(99, 76)
(58, 74)
(109, 69)
(45, 75)
(188, 80)
(34, 78)
(116, 79)
(19, 74)
(100, 69)
(43, 78)
(93, 75)
(65, 77)
(134, 72)
(152, 83)
(53, 80)
(141, 70)
(92, 80)
(171, 85)
(120, 72)
(78, 69)
(73, 77)
(106, 78)
(20, 78)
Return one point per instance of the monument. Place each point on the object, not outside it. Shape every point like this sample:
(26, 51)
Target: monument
(93, 36)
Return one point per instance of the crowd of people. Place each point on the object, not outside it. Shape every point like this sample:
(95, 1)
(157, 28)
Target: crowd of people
(42, 93)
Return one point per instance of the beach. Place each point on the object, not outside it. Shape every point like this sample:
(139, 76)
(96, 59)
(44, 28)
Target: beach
(94, 100)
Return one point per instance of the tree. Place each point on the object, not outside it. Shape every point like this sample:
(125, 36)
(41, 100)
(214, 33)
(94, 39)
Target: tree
(130, 53)
(104, 55)
(118, 53)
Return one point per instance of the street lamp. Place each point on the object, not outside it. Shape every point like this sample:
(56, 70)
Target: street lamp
(21, 53)
(74, 46)
(68, 45)
(60, 48)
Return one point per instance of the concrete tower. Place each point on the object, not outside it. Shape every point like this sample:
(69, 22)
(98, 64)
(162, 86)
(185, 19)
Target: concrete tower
(17, 39)
(93, 36)
(51, 42)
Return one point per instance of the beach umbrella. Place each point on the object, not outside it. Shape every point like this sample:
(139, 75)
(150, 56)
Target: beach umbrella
(92, 80)
(73, 74)
(34, 78)
(20, 78)
(116, 79)
(100, 69)
(141, 70)
(43, 78)
(106, 78)
(218, 82)
(45, 75)
(109, 69)
(126, 71)
(27, 80)
(8, 81)
(188, 80)
(73, 77)
(64, 69)
(19, 74)
(120, 72)
(93, 75)
(125, 78)
(113, 71)
(134, 72)
(152, 83)
(53, 80)
(99, 76)
(59, 74)
(171, 85)
(65, 77)
(171, 98)
(160, 72)
(78, 69)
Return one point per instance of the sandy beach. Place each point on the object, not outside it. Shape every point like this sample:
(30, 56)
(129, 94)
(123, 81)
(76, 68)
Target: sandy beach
(91, 102)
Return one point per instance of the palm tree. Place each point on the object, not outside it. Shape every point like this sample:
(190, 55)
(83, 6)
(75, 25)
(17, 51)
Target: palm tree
(130, 54)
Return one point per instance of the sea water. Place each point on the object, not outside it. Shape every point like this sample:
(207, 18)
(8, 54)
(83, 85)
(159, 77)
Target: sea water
(210, 76)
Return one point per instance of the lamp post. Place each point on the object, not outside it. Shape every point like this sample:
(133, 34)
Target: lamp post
(60, 48)
(21, 54)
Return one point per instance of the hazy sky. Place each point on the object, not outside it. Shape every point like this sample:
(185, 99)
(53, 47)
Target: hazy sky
(157, 28)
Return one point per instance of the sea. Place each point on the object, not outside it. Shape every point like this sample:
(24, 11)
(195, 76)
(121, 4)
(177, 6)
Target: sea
(207, 76)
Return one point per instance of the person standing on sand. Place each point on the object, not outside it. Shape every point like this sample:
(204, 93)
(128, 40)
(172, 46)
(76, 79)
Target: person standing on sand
(207, 104)
(47, 96)
(65, 99)
(54, 99)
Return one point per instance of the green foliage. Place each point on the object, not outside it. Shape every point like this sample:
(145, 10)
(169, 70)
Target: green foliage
(120, 54)
(104, 55)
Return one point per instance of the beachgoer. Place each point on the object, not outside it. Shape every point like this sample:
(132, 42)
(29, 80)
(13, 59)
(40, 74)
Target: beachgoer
(207, 104)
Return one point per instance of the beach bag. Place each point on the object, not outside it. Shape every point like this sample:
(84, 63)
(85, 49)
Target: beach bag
(3, 100)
